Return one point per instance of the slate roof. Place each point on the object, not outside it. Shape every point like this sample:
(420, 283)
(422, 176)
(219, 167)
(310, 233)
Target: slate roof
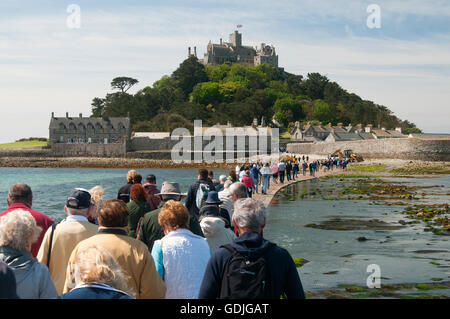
(346, 136)
(339, 129)
(241, 131)
(153, 135)
(395, 133)
(380, 133)
(366, 136)
(114, 121)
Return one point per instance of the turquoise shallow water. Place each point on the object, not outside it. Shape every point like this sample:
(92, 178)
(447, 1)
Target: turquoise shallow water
(337, 257)
(51, 186)
(327, 250)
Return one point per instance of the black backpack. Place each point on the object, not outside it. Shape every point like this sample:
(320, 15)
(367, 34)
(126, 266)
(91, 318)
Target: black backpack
(246, 278)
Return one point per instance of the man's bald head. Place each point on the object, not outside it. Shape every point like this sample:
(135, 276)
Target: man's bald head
(20, 193)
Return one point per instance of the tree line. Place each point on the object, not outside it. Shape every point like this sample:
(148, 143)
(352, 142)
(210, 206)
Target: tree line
(237, 93)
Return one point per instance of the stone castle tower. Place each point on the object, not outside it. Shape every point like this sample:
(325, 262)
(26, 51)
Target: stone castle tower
(234, 51)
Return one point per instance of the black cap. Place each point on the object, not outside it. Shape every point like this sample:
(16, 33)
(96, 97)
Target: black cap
(151, 177)
(80, 198)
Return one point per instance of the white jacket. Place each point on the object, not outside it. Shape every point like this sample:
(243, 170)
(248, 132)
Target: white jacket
(215, 232)
(185, 256)
(266, 170)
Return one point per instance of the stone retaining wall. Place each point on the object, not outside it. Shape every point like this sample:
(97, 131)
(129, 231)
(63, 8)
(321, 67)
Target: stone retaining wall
(23, 152)
(90, 150)
(146, 144)
(398, 148)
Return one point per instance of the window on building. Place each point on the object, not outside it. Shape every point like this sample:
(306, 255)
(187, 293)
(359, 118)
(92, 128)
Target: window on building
(98, 128)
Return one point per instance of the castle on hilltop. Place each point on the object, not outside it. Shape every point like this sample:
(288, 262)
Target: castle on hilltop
(234, 51)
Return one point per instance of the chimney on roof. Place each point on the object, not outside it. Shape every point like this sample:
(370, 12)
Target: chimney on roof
(67, 115)
(320, 124)
(329, 125)
(339, 125)
(369, 128)
(220, 41)
(81, 115)
(229, 124)
(195, 51)
(255, 122)
(53, 115)
(189, 51)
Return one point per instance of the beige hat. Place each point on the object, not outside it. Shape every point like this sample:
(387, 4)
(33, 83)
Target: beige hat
(169, 188)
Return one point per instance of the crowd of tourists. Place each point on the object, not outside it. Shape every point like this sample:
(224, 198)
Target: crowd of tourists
(287, 169)
(150, 242)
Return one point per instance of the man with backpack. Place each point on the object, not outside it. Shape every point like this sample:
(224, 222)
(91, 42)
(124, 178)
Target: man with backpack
(251, 267)
(198, 192)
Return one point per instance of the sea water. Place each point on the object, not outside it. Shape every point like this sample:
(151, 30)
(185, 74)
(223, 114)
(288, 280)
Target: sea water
(52, 186)
(335, 257)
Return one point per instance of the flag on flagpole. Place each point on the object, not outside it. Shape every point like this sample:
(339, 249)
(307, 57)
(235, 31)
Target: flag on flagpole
(239, 25)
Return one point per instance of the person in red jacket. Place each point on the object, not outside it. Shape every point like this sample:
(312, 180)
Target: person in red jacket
(20, 196)
(248, 181)
(151, 189)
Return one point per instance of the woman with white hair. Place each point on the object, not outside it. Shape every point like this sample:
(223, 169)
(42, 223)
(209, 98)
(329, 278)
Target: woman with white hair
(98, 276)
(18, 231)
(97, 199)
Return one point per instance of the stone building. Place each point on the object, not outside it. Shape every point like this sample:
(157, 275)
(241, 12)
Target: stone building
(329, 133)
(89, 130)
(234, 51)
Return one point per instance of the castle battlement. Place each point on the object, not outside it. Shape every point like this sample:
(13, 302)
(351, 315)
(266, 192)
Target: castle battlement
(234, 51)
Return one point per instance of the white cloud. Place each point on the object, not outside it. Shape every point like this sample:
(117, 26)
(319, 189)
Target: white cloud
(47, 67)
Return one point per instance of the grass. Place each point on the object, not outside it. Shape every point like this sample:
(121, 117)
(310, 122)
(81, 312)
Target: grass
(367, 168)
(285, 134)
(299, 262)
(23, 144)
(423, 169)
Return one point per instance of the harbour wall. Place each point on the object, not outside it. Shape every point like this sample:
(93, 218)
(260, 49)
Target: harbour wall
(389, 148)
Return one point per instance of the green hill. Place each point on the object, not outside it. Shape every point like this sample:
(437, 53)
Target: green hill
(237, 93)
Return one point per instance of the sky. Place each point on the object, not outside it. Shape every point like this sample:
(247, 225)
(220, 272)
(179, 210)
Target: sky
(54, 59)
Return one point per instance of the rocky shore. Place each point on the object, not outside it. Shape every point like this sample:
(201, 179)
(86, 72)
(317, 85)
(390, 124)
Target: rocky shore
(92, 162)
(396, 166)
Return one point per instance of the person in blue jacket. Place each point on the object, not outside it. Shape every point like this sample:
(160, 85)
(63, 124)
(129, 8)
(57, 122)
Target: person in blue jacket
(250, 218)
(191, 197)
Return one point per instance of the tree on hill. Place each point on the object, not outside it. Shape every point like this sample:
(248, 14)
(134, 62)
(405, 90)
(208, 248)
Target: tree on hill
(237, 93)
(98, 105)
(123, 83)
(189, 74)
